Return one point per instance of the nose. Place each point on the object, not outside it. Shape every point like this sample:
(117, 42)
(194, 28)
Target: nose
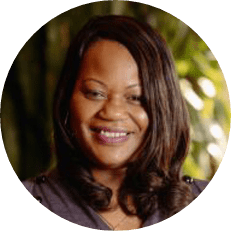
(114, 110)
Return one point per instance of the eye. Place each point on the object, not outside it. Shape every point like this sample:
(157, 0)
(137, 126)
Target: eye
(135, 99)
(95, 95)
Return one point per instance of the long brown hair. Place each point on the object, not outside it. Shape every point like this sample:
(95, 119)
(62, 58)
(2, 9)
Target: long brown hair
(154, 179)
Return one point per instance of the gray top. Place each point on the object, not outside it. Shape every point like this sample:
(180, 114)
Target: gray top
(51, 192)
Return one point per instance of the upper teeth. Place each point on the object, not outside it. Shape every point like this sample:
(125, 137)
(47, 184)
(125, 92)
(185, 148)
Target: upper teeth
(113, 134)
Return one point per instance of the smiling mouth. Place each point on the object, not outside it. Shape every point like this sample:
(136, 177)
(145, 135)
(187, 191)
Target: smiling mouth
(110, 135)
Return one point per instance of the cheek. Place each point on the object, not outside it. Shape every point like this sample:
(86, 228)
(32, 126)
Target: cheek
(81, 111)
(141, 118)
(77, 112)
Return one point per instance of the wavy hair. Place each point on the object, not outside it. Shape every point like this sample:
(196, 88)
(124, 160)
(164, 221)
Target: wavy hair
(154, 180)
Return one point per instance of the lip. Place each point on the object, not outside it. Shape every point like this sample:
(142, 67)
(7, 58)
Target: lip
(110, 129)
(111, 140)
(103, 139)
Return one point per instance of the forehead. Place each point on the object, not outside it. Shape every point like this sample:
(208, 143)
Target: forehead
(109, 60)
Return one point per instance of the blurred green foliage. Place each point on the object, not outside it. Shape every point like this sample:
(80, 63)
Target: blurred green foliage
(27, 97)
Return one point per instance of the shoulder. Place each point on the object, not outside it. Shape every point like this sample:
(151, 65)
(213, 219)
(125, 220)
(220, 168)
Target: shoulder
(43, 186)
(197, 185)
(29, 184)
(51, 190)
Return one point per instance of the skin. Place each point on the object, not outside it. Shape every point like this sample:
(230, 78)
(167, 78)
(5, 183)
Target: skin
(107, 95)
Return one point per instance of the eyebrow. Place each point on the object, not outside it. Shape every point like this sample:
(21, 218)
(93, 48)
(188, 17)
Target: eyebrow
(102, 83)
(95, 80)
(134, 85)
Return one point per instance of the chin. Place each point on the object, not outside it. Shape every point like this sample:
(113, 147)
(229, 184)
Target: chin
(110, 164)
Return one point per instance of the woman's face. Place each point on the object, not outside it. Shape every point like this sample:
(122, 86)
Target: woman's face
(106, 114)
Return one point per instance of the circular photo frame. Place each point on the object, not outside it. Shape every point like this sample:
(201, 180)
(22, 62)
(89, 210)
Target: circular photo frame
(97, 107)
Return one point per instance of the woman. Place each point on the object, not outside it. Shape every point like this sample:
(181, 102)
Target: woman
(121, 131)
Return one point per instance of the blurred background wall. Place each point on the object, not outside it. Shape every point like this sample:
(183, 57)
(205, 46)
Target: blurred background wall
(26, 106)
